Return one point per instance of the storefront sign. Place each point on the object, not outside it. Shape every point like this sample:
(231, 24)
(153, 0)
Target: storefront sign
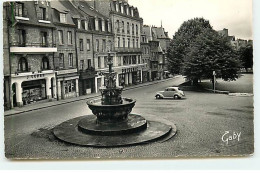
(35, 76)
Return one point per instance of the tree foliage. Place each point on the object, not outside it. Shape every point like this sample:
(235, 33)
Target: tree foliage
(246, 56)
(197, 50)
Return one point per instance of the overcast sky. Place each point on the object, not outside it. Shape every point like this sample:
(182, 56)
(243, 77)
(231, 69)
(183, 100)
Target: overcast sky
(235, 15)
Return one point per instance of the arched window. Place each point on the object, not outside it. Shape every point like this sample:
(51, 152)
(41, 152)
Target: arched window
(22, 65)
(45, 63)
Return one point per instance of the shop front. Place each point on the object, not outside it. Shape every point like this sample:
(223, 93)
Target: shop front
(28, 88)
(87, 82)
(67, 82)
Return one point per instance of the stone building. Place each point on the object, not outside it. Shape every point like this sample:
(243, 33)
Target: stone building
(158, 42)
(126, 24)
(65, 59)
(31, 52)
(95, 42)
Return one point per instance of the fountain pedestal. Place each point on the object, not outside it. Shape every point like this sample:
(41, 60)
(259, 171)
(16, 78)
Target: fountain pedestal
(112, 123)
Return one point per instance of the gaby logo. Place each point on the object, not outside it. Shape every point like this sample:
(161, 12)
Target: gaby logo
(229, 136)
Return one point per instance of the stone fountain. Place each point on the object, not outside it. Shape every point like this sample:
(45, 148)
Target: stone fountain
(112, 123)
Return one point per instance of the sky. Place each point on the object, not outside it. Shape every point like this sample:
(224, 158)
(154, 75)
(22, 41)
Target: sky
(235, 15)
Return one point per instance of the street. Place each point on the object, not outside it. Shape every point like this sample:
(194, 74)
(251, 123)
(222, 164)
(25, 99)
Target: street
(205, 122)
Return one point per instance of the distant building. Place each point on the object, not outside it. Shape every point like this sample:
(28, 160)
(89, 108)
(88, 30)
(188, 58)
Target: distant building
(235, 43)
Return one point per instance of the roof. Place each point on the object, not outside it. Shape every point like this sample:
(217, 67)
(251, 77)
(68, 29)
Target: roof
(74, 12)
(86, 8)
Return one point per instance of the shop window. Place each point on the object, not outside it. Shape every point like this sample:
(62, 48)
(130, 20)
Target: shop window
(70, 56)
(61, 60)
(69, 37)
(60, 35)
(45, 63)
(22, 65)
(69, 86)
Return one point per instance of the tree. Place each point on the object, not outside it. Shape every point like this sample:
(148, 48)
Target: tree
(202, 51)
(181, 41)
(246, 56)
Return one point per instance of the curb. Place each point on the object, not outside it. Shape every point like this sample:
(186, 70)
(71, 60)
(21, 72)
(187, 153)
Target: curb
(218, 91)
(90, 97)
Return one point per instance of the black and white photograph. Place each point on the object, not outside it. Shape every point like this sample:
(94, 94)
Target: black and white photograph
(128, 79)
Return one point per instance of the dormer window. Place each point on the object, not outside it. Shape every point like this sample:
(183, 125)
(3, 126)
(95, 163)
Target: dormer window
(63, 18)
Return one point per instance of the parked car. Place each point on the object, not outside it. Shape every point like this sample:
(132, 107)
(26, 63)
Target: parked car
(170, 92)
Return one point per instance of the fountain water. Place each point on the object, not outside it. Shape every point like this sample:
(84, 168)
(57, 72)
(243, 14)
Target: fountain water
(112, 123)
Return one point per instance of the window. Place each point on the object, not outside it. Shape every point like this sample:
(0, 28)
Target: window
(22, 65)
(70, 59)
(81, 44)
(21, 37)
(100, 24)
(97, 45)
(128, 28)
(137, 43)
(117, 26)
(63, 18)
(81, 64)
(69, 38)
(99, 62)
(118, 43)
(61, 60)
(19, 9)
(43, 13)
(123, 27)
(128, 42)
(105, 61)
(44, 39)
(124, 42)
(89, 63)
(110, 45)
(133, 43)
(88, 44)
(136, 29)
(45, 63)
(79, 23)
(125, 60)
(70, 86)
(133, 29)
(134, 60)
(60, 34)
(119, 61)
(103, 45)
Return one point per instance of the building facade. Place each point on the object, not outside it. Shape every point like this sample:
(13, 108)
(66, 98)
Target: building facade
(31, 52)
(65, 59)
(126, 24)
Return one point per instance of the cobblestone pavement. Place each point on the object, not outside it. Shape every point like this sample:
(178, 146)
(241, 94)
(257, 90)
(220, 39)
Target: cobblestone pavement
(201, 119)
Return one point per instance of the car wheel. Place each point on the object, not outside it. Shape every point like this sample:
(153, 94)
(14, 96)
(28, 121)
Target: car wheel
(157, 97)
(176, 97)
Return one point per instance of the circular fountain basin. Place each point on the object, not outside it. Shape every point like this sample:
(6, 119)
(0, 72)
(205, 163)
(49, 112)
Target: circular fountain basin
(111, 113)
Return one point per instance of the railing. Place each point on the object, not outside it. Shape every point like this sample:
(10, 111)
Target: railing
(126, 49)
(24, 44)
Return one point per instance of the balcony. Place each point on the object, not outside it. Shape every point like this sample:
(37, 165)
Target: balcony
(20, 48)
(126, 49)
